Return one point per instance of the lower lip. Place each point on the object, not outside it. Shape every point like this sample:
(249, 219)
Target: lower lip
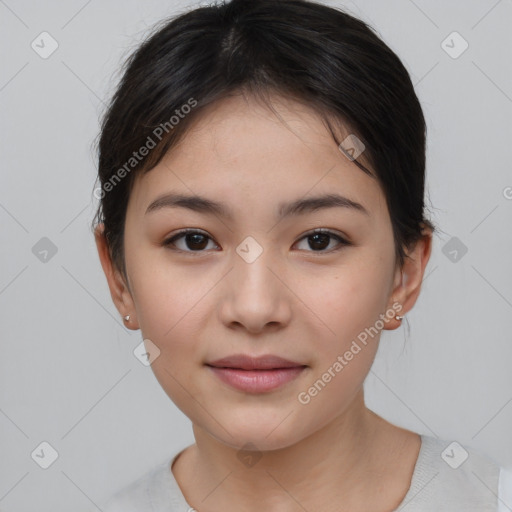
(257, 381)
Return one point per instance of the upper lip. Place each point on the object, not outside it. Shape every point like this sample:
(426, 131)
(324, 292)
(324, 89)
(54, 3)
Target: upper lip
(245, 362)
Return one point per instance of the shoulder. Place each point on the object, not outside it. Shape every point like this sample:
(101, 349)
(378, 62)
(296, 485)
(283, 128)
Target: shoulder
(136, 496)
(154, 491)
(453, 476)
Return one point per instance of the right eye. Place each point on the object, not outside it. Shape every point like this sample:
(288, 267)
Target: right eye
(193, 241)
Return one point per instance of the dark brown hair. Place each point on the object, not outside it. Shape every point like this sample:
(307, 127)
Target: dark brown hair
(321, 56)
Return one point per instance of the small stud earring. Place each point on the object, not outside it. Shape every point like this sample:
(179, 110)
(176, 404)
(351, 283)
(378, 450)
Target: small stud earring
(127, 318)
(399, 318)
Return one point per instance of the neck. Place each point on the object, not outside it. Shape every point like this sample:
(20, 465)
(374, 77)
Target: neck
(338, 462)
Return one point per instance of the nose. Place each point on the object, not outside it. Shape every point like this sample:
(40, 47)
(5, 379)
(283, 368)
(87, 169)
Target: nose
(255, 295)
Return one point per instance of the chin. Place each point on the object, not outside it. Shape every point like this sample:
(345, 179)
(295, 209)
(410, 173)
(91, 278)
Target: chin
(256, 443)
(259, 436)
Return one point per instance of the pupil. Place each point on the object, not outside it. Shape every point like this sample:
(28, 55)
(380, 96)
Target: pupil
(194, 239)
(323, 237)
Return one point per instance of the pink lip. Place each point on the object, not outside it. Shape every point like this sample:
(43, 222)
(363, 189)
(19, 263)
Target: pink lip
(245, 362)
(255, 374)
(257, 381)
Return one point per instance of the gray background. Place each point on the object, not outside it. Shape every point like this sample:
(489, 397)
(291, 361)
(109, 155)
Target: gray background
(68, 374)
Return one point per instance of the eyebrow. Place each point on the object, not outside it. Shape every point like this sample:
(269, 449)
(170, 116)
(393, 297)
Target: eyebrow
(208, 206)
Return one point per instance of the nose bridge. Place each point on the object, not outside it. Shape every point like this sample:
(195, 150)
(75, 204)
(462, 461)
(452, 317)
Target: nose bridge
(256, 296)
(252, 273)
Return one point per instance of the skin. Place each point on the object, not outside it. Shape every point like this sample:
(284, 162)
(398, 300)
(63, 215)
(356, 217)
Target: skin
(297, 300)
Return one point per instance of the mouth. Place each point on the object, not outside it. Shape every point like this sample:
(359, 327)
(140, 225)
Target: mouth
(256, 374)
(246, 362)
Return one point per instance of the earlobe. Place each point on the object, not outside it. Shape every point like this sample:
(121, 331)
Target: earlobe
(119, 291)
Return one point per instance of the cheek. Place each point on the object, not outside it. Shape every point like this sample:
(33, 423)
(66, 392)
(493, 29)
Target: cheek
(173, 305)
(164, 294)
(348, 303)
(170, 314)
(347, 299)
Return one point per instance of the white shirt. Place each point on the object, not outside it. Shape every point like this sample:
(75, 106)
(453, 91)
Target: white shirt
(447, 477)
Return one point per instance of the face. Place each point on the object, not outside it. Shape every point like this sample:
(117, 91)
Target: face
(254, 278)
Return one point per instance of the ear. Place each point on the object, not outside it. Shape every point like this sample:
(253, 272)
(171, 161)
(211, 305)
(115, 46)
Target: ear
(408, 279)
(119, 291)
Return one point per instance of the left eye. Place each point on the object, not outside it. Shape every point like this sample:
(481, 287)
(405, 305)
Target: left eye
(320, 239)
(197, 241)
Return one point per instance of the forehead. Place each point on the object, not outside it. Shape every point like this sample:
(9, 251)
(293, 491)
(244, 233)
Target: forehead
(240, 148)
(246, 127)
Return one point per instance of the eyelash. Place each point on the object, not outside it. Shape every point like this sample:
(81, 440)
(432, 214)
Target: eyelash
(170, 241)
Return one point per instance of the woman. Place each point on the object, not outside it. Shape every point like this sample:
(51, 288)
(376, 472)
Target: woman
(262, 169)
